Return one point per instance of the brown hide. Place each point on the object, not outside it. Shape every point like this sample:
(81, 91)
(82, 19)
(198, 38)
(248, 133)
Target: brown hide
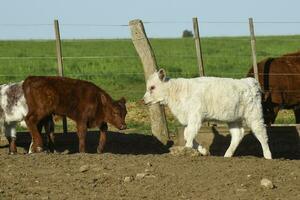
(280, 81)
(84, 102)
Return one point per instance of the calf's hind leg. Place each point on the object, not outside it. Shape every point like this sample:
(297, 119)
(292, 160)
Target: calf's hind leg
(260, 132)
(32, 124)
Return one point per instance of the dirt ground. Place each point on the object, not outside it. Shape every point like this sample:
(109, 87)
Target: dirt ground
(140, 168)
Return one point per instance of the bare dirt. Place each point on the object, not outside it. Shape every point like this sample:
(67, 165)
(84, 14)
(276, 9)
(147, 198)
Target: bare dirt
(140, 168)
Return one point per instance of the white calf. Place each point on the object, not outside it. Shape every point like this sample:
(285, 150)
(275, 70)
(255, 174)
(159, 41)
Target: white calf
(196, 100)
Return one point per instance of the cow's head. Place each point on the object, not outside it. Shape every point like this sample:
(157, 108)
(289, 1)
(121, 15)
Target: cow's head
(269, 108)
(155, 90)
(117, 114)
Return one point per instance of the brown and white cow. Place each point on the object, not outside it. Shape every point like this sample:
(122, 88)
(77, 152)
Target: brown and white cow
(280, 81)
(82, 101)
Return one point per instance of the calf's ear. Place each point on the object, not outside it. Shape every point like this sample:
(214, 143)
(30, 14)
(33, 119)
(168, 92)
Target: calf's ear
(266, 96)
(103, 99)
(161, 74)
(122, 100)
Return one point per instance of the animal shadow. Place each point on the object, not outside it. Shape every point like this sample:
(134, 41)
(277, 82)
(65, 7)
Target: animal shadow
(284, 143)
(117, 143)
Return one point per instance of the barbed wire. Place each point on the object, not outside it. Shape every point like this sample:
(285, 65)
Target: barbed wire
(27, 57)
(96, 25)
(168, 72)
(151, 22)
(136, 57)
(26, 24)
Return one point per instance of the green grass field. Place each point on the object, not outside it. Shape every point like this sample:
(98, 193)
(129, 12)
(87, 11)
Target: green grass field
(115, 66)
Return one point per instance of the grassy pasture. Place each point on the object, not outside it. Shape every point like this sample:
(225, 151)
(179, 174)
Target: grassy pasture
(115, 66)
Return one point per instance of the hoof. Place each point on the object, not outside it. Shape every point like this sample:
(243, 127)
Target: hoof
(100, 150)
(203, 151)
(39, 149)
(12, 153)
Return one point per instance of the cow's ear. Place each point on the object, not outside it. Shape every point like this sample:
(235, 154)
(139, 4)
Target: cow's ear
(266, 96)
(161, 74)
(103, 99)
(122, 100)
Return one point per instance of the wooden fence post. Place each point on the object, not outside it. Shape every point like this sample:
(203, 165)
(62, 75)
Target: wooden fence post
(253, 48)
(198, 46)
(142, 45)
(59, 63)
(58, 49)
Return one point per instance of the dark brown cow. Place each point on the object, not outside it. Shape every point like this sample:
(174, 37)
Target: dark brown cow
(85, 103)
(280, 81)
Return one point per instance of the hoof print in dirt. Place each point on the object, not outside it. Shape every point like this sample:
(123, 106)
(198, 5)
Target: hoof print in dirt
(267, 183)
(184, 151)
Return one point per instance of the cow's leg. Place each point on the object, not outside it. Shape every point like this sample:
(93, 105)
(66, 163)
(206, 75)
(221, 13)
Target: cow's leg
(102, 137)
(49, 129)
(237, 133)
(11, 134)
(259, 130)
(39, 127)
(3, 137)
(81, 132)
(297, 115)
(190, 132)
(275, 113)
(32, 125)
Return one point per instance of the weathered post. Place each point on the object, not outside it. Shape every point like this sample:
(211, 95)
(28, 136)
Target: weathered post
(198, 50)
(59, 63)
(253, 48)
(198, 46)
(142, 45)
(58, 49)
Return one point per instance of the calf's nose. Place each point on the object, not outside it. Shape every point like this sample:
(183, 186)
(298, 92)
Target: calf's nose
(141, 102)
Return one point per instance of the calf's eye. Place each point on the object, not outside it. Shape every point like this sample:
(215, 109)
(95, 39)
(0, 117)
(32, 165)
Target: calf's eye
(152, 87)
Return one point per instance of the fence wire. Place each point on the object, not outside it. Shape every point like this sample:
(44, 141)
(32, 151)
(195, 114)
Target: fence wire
(262, 38)
(136, 57)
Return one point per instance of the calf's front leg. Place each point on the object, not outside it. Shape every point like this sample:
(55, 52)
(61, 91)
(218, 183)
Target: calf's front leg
(190, 132)
(102, 137)
(81, 132)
